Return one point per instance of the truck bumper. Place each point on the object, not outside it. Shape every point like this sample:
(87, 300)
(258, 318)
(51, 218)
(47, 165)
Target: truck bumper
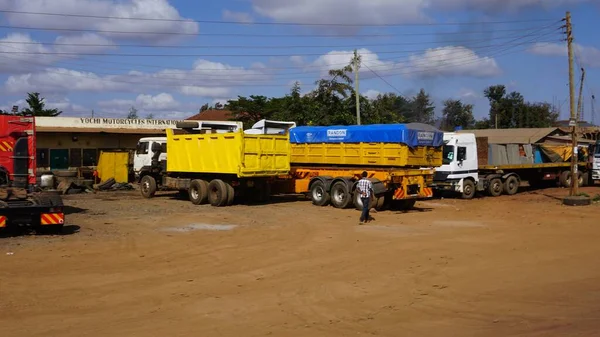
(447, 186)
(31, 216)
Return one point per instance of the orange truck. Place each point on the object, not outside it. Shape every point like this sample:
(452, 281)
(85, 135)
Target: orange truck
(22, 202)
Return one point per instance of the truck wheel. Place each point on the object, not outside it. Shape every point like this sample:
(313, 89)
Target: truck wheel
(585, 179)
(217, 193)
(230, 194)
(148, 186)
(511, 185)
(565, 179)
(380, 205)
(495, 188)
(358, 201)
(340, 195)
(318, 194)
(198, 192)
(468, 189)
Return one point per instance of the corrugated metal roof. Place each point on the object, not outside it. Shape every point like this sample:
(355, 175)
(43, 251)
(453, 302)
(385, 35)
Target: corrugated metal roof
(515, 136)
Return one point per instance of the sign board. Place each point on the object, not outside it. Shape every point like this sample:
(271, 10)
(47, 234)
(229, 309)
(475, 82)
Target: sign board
(106, 123)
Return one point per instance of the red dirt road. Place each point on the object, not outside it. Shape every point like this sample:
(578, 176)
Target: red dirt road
(508, 266)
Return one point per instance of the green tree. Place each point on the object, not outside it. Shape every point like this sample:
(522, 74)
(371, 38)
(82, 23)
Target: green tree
(37, 107)
(423, 110)
(388, 108)
(133, 113)
(513, 111)
(251, 109)
(456, 114)
(150, 116)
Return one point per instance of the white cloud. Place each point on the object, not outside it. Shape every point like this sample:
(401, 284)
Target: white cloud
(589, 56)
(84, 43)
(387, 11)
(451, 61)
(161, 9)
(349, 11)
(206, 79)
(436, 62)
(63, 104)
(160, 102)
(237, 16)
(371, 94)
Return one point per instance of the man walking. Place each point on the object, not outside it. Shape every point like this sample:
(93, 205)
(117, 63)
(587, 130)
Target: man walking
(365, 188)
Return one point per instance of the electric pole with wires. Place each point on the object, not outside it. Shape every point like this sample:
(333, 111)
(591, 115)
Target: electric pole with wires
(356, 63)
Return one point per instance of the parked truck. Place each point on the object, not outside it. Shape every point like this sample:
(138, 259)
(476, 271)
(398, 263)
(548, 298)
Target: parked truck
(327, 162)
(213, 162)
(468, 167)
(596, 162)
(22, 204)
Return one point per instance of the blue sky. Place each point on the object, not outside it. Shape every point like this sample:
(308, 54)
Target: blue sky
(196, 52)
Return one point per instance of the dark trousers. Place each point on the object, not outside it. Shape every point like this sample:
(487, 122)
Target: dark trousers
(365, 211)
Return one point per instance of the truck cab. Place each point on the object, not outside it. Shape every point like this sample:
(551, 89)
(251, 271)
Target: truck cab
(596, 162)
(142, 159)
(460, 166)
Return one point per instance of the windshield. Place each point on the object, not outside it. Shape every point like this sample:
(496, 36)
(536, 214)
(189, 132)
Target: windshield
(448, 154)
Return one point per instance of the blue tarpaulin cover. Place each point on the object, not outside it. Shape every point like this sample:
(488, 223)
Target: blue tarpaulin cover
(412, 134)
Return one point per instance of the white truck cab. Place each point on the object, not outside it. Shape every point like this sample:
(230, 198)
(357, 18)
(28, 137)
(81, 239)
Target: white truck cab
(460, 163)
(596, 163)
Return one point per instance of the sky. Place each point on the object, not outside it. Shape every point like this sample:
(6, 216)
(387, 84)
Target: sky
(167, 58)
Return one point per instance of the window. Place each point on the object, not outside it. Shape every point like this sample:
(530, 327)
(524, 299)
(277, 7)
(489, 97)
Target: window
(89, 157)
(42, 158)
(448, 154)
(142, 148)
(461, 153)
(597, 152)
(75, 158)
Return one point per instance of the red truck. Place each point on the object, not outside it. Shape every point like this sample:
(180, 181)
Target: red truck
(21, 202)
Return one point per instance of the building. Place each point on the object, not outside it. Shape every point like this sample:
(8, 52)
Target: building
(71, 142)
(213, 115)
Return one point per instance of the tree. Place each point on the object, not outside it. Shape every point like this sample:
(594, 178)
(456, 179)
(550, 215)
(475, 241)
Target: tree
(512, 111)
(388, 108)
(204, 107)
(133, 113)
(423, 110)
(456, 114)
(251, 109)
(37, 106)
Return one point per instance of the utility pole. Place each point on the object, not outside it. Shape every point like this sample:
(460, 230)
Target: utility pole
(573, 120)
(356, 62)
(580, 101)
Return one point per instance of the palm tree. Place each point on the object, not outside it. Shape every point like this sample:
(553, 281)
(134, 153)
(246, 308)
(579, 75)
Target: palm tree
(37, 106)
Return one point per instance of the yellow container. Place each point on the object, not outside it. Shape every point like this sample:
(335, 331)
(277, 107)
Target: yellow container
(244, 155)
(113, 164)
(366, 154)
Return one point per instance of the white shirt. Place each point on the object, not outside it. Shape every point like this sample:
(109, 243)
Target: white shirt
(365, 186)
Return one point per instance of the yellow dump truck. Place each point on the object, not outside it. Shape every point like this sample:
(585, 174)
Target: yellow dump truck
(216, 162)
(400, 159)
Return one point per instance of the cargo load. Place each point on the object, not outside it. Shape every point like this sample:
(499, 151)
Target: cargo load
(396, 145)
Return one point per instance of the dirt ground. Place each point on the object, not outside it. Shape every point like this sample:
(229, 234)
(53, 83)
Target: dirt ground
(511, 266)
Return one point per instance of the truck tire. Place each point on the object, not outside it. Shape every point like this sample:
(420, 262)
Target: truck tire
(230, 194)
(495, 187)
(511, 185)
(318, 194)
(148, 186)
(585, 178)
(198, 192)
(380, 204)
(468, 189)
(217, 193)
(358, 201)
(340, 195)
(565, 179)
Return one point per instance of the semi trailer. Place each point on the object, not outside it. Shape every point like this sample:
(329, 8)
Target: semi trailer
(468, 167)
(327, 162)
(22, 202)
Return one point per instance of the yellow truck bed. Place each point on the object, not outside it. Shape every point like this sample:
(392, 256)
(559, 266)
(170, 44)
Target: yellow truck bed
(245, 155)
(366, 154)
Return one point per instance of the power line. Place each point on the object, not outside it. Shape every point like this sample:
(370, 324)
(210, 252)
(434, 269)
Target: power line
(252, 34)
(383, 79)
(274, 23)
(359, 45)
